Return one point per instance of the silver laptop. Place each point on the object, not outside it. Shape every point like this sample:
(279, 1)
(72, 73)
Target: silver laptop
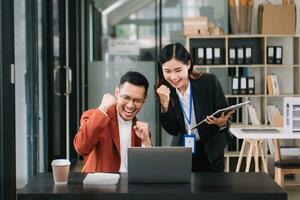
(159, 165)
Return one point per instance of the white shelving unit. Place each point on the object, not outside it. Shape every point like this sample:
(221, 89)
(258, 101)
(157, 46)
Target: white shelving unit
(288, 72)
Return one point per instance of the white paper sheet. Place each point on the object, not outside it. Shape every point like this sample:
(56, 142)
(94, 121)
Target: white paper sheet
(101, 179)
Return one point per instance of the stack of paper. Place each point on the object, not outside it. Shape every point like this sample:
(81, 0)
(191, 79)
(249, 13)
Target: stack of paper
(272, 85)
(272, 111)
(101, 179)
(253, 115)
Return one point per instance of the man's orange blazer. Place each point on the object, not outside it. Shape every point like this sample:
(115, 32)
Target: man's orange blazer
(98, 141)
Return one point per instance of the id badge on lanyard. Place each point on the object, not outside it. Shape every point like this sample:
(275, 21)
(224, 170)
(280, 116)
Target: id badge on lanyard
(189, 138)
(190, 141)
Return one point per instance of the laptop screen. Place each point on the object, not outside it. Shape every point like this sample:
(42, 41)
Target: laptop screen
(159, 165)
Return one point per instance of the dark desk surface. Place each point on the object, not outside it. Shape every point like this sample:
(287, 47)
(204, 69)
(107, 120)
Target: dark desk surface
(233, 186)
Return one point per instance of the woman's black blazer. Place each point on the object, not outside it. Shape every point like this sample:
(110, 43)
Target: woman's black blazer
(208, 96)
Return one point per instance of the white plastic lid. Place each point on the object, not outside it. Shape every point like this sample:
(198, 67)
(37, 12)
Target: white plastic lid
(60, 162)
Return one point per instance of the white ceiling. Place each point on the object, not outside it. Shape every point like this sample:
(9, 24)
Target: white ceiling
(117, 10)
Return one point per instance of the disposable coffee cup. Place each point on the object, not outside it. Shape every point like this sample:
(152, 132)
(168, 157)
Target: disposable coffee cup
(60, 168)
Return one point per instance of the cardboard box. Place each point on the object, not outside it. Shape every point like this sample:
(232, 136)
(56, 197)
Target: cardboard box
(276, 19)
(195, 26)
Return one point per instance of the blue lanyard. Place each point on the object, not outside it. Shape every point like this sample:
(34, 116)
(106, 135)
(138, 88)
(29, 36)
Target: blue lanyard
(189, 120)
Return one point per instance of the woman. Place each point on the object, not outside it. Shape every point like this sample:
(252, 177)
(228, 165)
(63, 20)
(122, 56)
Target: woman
(186, 98)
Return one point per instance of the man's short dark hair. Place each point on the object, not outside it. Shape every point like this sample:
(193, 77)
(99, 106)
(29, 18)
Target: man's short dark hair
(135, 78)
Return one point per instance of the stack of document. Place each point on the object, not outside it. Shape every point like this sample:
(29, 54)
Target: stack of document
(101, 179)
(254, 120)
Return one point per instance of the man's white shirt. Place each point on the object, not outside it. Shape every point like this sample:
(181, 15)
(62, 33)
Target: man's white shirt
(125, 128)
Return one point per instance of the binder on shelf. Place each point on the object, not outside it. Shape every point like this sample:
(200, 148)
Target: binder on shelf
(276, 90)
(209, 55)
(253, 117)
(248, 55)
(217, 56)
(278, 55)
(272, 112)
(251, 85)
(235, 85)
(240, 55)
(232, 101)
(232, 56)
(199, 52)
(270, 85)
(243, 85)
(231, 71)
(271, 54)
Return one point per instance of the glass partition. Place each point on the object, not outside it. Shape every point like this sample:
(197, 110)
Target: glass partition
(173, 13)
(124, 36)
(125, 42)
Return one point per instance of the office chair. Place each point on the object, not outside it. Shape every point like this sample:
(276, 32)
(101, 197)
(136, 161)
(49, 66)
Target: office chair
(283, 166)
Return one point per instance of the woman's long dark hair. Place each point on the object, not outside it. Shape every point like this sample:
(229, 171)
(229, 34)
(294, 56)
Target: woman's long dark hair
(179, 52)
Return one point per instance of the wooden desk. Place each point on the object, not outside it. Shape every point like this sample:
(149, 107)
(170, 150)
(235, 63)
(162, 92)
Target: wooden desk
(255, 139)
(212, 186)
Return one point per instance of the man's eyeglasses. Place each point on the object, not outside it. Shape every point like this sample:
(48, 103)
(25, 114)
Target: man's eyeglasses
(136, 101)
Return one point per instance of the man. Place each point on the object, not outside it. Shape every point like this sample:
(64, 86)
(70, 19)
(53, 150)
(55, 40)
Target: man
(106, 132)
